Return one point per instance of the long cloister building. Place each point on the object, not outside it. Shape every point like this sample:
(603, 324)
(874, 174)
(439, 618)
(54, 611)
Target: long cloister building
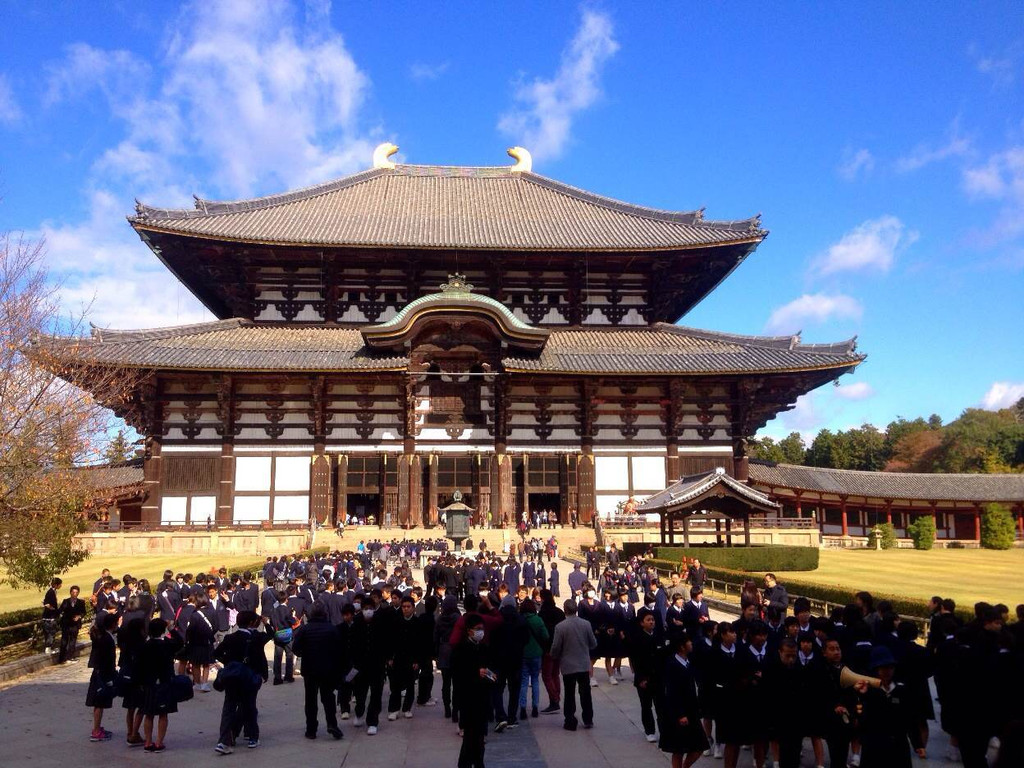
(387, 338)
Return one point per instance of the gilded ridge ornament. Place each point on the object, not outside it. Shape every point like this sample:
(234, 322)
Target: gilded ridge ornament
(382, 153)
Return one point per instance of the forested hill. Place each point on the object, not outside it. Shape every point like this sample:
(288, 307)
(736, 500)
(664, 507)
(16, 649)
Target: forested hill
(978, 441)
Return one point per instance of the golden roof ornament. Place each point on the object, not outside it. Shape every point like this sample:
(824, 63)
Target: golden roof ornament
(456, 284)
(382, 153)
(524, 160)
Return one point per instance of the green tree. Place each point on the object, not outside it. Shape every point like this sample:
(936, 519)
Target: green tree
(899, 429)
(792, 448)
(922, 532)
(119, 449)
(935, 421)
(997, 527)
(884, 534)
(981, 439)
(766, 449)
(866, 447)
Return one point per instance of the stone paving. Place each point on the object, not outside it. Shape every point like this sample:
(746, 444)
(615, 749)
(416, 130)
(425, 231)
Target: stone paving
(44, 722)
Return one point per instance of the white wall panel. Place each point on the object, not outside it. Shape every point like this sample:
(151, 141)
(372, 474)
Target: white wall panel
(203, 507)
(291, 509)
(611, 473)
(606, 504)
(252, 473)
(648, 473)
(172, 510)
(291, 473)
(251, 509)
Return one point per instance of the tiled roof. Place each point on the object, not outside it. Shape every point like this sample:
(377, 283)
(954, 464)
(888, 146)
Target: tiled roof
(449, 207)
(889, 485)
(113, 476)
(666, 348)
(659, 349)
(692, 487)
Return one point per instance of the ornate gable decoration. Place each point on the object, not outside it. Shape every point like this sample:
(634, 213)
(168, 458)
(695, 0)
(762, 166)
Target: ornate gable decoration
(459, 312)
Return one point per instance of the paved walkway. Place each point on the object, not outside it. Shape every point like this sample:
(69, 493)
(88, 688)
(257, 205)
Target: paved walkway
(46, 723)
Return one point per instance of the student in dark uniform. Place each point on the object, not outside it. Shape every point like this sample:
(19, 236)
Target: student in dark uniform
(884, 720)
(154, 670)
(239, 713)
(553, 580)
(51, 613)
(915, 667)
(472, 680)
(783, 686)
(681, 731)
(71, 613)
(100, 695)
(647, 660)
(695, 612)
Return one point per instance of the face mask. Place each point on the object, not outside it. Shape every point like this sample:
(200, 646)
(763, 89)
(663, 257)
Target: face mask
(591, 594)
(357, 605)
(478, 635)
(484, 593)
(368, 613)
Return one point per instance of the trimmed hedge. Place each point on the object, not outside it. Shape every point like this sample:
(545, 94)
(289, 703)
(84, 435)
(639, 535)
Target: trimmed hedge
(756, 558)
(830, 593)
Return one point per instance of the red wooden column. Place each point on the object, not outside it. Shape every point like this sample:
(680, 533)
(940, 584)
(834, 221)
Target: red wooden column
(977, 522)
(1020, 521)
(226, 489)
(842, 509)
(888, 511)
(432, 513)
(799, 511)
(586, 484)
(410, 472)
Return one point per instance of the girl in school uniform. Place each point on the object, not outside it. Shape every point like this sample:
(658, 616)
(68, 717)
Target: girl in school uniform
(104, 671)
(682, 734)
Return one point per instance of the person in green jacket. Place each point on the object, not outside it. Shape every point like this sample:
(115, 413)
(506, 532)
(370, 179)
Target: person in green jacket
(539, 641)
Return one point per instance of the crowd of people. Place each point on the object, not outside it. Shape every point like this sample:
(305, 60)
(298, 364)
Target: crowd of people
(361, 626)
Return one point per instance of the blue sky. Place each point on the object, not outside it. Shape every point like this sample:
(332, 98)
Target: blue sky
(883, 144)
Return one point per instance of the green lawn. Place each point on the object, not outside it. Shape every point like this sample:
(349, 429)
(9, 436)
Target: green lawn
(150, 567)
(966, 575)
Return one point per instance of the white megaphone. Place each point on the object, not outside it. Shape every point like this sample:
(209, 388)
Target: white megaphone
(848, 678)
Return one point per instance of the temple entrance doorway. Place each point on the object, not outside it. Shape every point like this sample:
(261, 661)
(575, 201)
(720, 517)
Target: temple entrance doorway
(362, 506)
(543, 503)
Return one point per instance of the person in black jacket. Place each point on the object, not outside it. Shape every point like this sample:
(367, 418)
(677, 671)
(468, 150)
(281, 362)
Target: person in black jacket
(646, 659)
(405, 654)
(154, 671)
(681, 732)
(318, 644)
(51, 612)
(100, 695)
(472, 679)
(282, 622)
(242, 648)
(130, 639)
(507, 641)
(71, 613)
(774, 595)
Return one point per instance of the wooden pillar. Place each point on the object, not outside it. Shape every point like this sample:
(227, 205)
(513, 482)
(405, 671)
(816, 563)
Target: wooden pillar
(1020, 521)
(718, 531)
(740, 462)
(320, 483)
(502, 510)
(476, 488)
(799, 511)
(686, 530)
(746, 530)
(564, 488)
(888, 511)
(525, 490)
(586, 485)
(672, 472)
(432, 513)
(977, 522)
(226, 484)
(728, 531)
(661, 526)
(935, 516)
(341, 489)
(151, 477)
(842, 510)
(410, 473)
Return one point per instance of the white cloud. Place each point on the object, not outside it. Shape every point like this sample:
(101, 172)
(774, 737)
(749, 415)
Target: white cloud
(858, 390)
(247, 96)
(1000, 178)
(1002, 394)
(107, 272)
(421, 72)
(260, 100)
(10, 112)
(813, 308)
(542, 119)
(856, 163)
(871, 245)
(1003, 68)
(956, 145)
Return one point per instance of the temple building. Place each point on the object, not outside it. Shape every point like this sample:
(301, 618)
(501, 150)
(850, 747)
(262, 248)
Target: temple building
(393, 336)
